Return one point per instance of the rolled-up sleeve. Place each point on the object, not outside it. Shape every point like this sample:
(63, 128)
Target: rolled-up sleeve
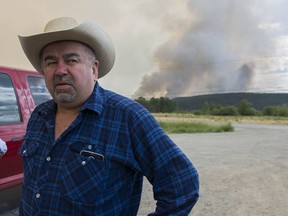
(174, 178)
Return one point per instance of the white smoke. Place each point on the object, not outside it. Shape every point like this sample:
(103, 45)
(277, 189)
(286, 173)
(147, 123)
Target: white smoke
(219, 46)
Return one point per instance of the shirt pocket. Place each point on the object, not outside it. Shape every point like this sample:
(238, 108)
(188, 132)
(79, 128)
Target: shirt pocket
(82, 178)
(28, 151)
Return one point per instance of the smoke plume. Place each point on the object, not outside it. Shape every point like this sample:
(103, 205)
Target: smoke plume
(217, 49)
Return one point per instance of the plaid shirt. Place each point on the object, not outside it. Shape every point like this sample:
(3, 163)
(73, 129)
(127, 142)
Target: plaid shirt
(59, 179)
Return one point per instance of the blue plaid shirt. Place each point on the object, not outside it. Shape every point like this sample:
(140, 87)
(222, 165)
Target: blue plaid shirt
(128, 144)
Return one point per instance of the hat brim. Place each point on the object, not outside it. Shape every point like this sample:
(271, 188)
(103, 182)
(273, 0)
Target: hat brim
(88, 33)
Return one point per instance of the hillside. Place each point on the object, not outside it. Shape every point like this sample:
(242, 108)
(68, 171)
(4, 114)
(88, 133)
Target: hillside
(258, 100)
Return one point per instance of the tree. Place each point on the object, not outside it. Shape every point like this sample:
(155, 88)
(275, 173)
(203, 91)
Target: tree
(245, 108)
(143, 102)
(157, 105)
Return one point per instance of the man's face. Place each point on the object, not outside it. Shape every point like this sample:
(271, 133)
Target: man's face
(70, 72)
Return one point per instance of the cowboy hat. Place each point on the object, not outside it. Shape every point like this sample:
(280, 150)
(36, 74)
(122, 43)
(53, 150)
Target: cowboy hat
(67, 28)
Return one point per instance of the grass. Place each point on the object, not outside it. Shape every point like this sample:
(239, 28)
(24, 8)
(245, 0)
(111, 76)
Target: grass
(194, 127)
(190, 117)
(190, 123)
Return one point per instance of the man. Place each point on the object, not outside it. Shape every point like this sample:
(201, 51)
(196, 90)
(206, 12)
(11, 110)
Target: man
(86, 151)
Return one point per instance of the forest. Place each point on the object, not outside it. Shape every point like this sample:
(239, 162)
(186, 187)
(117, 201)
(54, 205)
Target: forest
(246, 104)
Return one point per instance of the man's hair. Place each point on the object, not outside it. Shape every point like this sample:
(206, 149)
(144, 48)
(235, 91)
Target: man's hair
(90, 52)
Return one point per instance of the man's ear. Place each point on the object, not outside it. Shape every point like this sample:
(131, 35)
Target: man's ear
(95, 66)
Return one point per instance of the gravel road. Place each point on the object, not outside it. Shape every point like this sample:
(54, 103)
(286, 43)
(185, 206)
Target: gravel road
(243, 173)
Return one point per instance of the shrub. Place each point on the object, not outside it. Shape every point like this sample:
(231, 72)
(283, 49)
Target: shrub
(276, 111)
(228, 111)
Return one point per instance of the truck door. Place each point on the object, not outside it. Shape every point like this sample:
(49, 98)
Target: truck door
(14, 114)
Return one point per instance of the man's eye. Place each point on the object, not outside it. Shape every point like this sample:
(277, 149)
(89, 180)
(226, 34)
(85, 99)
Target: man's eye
(72, 61)
(50, 63)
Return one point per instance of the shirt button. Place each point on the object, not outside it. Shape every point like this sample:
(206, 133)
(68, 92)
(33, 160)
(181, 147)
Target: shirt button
(89, 147)
(48, 158)
(83, 163)
(38, 195)
(24, 151)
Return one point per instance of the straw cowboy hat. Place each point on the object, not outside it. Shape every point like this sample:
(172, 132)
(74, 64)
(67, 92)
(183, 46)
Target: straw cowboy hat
(67, 28)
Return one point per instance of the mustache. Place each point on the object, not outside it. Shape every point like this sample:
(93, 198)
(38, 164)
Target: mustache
(63, 80)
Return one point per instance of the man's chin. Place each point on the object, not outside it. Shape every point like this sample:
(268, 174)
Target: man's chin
(64, 98)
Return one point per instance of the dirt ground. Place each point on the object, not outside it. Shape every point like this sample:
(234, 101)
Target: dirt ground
(242, 173)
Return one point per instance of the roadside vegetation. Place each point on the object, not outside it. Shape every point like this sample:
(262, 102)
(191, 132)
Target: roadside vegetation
(194, 127)
(245, 108)
(212, 117)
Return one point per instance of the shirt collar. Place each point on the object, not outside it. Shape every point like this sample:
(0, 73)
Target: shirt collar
(95, 102)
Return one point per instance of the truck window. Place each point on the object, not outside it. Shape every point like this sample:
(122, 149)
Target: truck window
(38, 89)
(9, 110)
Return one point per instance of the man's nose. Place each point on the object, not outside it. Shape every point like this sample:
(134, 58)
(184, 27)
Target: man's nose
(61, 68)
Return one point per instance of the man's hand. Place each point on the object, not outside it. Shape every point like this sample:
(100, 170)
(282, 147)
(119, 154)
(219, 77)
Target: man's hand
(3, 148)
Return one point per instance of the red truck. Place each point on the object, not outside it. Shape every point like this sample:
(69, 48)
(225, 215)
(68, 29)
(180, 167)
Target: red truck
(20, 92)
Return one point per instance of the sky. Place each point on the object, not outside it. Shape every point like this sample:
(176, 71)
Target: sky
(170, 48)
